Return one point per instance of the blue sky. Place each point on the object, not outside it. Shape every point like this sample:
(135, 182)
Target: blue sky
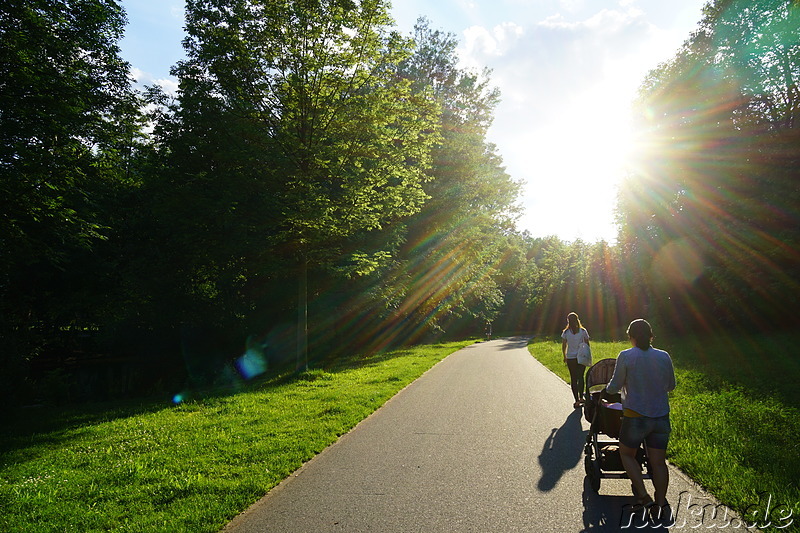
(567, 71)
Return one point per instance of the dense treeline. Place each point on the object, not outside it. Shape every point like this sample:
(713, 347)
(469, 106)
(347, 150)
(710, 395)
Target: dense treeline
(709, 217)
(321, 184)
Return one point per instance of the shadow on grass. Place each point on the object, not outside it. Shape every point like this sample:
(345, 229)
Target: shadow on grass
(51, 425)
(764, 364)
(21, 424)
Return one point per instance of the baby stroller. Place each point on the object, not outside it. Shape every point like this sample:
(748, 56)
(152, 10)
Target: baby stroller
(605, 415)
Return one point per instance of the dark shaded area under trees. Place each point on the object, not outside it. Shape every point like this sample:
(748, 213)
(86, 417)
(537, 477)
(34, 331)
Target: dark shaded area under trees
(318, 169)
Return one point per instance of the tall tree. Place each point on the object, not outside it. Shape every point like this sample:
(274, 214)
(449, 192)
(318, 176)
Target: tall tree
(68, 122)
(454, 244)
(301, 101)
(438, 269)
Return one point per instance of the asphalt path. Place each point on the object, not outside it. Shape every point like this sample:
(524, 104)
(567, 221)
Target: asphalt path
(485, 441)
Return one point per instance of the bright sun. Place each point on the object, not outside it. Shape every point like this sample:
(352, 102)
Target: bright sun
(579, 163)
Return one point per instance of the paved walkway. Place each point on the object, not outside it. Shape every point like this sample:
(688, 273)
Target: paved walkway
(486, 441)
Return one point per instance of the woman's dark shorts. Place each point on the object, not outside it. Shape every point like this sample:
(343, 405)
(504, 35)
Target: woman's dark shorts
(653, 431)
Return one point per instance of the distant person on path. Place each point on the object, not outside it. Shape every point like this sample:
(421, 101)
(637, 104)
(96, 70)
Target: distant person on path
(644, 375)
(572, 336)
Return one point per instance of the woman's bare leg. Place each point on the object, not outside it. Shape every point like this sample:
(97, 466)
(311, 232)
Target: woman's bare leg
(657, 459)
(634, 470)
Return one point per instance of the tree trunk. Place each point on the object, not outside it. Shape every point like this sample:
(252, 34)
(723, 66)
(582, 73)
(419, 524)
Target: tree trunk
(302, 315)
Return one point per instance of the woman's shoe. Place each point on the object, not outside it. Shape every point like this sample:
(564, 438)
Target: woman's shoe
(645, 501)
(661, 515)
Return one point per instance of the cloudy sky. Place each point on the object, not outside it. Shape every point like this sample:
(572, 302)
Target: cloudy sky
(567, 71)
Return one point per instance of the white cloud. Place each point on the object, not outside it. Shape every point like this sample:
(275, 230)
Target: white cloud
(480, 43)
(170, 85)
(142, 78)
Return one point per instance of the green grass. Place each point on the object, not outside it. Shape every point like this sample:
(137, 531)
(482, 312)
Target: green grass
(549, 354)
(190, 467)
(734, 414)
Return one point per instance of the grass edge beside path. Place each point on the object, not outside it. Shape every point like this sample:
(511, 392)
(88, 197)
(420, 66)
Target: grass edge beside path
(194, 466)
(730, 434)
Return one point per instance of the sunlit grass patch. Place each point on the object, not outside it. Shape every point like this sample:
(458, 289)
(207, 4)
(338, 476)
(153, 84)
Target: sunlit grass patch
(193, 466)
(738, 445)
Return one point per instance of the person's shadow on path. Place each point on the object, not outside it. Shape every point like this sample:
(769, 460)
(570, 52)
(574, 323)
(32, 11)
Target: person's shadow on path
(613, 513)
(561, 451)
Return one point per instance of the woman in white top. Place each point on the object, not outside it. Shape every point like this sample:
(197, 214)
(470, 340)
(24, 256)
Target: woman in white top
(572, 337)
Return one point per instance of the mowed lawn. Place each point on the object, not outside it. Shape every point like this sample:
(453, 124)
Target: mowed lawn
(188, 467)
(735, 417)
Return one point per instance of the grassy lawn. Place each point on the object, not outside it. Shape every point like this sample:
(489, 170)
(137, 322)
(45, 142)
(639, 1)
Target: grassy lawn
(735, 415)
(189, 467)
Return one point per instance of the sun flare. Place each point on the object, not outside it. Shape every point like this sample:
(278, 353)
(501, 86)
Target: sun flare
(581, 162)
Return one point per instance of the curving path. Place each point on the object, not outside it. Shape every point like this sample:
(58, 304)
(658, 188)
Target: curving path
(485, 441)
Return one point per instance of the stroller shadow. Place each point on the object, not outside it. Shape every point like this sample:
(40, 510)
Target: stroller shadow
(612, 513)
(562, 450)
